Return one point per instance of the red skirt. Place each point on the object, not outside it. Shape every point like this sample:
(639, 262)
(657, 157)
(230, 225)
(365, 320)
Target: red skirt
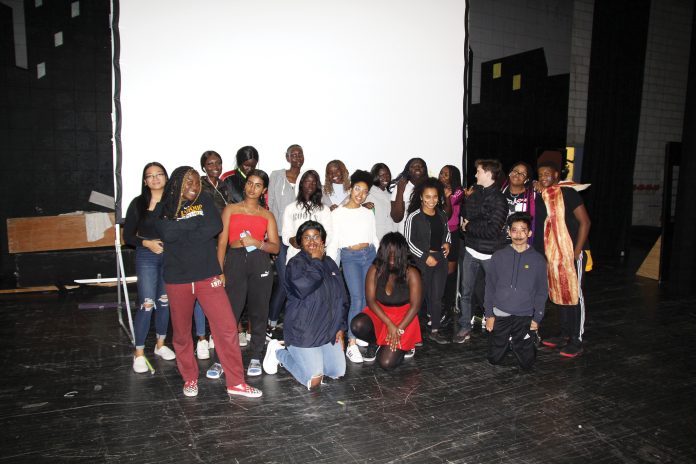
(412, 333)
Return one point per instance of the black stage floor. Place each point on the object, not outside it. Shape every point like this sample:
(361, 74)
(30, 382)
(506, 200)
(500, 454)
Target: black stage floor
(69, 394)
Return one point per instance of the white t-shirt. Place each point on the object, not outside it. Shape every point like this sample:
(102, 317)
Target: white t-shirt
(350, 227)
(382, 201)
(293, 217)
(407, 200)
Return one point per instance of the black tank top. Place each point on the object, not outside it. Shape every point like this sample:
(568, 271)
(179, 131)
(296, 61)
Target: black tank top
(399, 295)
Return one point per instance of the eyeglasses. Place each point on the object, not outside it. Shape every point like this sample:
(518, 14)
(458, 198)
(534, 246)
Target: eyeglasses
(518, 173)
(154, 176)
(358, 189)
(311, 238)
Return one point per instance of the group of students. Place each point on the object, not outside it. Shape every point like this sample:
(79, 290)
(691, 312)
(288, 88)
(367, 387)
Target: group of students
(360, 260)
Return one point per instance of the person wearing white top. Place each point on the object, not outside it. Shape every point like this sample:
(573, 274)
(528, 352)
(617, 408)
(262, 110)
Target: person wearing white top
(308, 206)
(281, 193)
(379, 200)
(413, 174)
(336, 184)
(355, 245)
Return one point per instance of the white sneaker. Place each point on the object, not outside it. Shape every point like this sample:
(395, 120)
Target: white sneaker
(139, 365)
(353, 354)
(242, 339)
(211, 344)
(203, 349)
(361, 342)
(270, 361)
(410, 353)
(165, 353)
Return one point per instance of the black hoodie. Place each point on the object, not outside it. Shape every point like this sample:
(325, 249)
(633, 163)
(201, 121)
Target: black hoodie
(516, 283)
(190, 242)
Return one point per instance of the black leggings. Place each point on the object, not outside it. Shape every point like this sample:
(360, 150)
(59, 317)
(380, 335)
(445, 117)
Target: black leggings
(249, 280)
(364, 329)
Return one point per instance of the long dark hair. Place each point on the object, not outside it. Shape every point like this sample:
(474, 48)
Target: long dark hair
(314, 198)
(143, 203)
(245, 154)
(429, 182)
(392, 242)
(171, 198)
(455, 177)
(406, 172)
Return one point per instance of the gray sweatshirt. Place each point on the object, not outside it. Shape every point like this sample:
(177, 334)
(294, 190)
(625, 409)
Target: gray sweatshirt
(280, 194)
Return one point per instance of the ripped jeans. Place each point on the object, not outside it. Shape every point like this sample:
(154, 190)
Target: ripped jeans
(152, 296)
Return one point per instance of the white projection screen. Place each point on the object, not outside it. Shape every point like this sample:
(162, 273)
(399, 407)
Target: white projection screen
(363, 81)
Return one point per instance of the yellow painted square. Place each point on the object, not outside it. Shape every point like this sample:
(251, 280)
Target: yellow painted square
(497, 70)
(516, 82)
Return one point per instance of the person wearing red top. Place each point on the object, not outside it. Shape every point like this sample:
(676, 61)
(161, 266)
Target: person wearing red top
(248, 239)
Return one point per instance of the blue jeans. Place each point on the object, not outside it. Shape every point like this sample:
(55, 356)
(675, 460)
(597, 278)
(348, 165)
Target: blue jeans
(278, 297)
(199, 319)
(468, 269)
(356, 263)
(149, 267)
(305, 363)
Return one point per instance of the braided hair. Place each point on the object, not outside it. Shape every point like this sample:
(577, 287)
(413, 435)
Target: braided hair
(172, 199)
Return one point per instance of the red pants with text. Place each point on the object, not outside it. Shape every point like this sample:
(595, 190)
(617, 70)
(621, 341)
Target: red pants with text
(216, 306)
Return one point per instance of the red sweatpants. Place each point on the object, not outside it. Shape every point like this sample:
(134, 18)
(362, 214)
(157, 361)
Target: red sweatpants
(216, 306)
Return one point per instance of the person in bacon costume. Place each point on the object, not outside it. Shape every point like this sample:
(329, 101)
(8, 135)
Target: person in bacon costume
(562, 228)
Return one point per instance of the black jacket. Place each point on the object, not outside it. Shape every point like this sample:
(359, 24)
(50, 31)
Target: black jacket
(190, 242)
(417, 233)
(486, 209)
(317, 304)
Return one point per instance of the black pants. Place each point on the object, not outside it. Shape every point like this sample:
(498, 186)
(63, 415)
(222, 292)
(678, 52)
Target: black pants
(523, 340)
(572, 317)
(249, 280)
(434, 279)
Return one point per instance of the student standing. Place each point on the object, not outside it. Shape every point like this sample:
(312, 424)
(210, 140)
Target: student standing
(354, 245)
(249, 236)
(188, 226)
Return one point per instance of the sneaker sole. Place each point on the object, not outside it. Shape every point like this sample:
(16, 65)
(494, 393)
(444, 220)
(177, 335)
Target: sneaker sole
(245, 394)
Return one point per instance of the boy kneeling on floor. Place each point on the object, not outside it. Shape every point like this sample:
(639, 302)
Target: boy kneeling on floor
(516, 293)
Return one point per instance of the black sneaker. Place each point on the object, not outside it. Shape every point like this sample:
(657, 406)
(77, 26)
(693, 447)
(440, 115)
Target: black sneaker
(572, 350)
(371, 353)
(437, 337)
(555, 342)
(463, 336)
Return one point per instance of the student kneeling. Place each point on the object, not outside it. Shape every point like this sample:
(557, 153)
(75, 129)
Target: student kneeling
(516, 293)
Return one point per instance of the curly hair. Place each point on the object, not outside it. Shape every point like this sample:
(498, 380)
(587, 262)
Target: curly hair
(314, 200)
(429, 182)
(361, 176)
(328, 185)
(171, 197)
(392, 243)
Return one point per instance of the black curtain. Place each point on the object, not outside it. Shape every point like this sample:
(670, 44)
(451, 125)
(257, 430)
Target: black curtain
(619, 37)
(682, 269)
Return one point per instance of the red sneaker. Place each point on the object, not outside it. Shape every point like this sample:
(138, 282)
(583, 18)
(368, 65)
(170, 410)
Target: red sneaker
(245, 390)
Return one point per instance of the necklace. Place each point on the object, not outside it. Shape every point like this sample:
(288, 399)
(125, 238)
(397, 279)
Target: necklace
(247, 211)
